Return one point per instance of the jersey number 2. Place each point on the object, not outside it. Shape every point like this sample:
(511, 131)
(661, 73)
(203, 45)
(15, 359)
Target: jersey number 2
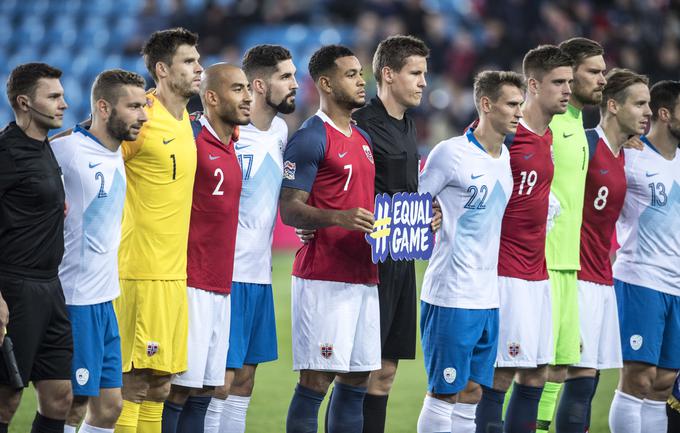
(220, 173)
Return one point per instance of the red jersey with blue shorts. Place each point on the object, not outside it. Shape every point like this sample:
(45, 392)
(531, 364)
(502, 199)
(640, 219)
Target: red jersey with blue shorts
(339, 174)
(522, 248)
(214, 211)
(604, 195)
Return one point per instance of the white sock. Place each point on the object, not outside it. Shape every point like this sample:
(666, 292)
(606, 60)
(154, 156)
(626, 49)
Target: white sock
(86, 428)
(435, 416)
(654, 418)
(625, 413)
(234, 414)
(213, 415)
(463, 418)
(69, 428)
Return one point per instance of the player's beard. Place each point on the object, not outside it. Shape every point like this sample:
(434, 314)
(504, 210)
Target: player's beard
(119, 129)
(182, 88)
(587, 97)
(283, 107)
(231, 116)
(347, 101)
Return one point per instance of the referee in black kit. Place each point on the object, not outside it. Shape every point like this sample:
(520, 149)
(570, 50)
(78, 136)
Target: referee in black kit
(31, 248)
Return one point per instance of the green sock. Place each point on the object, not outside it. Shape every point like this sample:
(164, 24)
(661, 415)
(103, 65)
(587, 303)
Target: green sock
(546, 408)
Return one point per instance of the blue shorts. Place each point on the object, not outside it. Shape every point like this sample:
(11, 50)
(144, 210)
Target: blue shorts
(650, 325)
(252, 337)
(459, 345)
(96, 349)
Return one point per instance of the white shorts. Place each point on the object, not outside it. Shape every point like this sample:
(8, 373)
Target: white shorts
(600, 335)
(208, 344)
(336, 326)
(525, 338)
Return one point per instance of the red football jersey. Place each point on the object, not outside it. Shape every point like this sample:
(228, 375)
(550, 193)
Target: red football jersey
(214, 212)
(605, 192)
(338, 173)
(522, 248)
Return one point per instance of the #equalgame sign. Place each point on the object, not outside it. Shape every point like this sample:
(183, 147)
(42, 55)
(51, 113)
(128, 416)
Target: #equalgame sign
(402, 227)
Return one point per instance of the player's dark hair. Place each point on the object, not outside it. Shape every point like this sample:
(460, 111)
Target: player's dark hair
(541, 60)
(162, 45)
(489, 84)
(24, 79)
(618, 82)
(393, 52)
(323, 60)
(664, 94)
(108, 84)
(261, 61)
(580, 49)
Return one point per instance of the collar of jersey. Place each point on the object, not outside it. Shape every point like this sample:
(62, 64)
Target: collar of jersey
(602, 135)
(205, 123)
(649, 144)
(323, 116)
(472, 139)
(573, 111)
(87, 134)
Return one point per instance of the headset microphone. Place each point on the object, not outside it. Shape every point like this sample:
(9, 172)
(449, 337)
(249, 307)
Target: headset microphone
(40, 112)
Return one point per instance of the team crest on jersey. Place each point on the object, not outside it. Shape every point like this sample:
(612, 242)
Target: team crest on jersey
(636, 341)
(326, 350)
(513, 349)
(289, 170)
(449, 374)
(151, 348)
(82, 376)
(369, 154)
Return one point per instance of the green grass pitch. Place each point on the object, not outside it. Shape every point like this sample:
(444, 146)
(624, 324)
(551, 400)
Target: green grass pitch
(275, 381)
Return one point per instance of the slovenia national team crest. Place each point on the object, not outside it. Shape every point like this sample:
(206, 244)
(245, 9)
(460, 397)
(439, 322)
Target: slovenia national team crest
(326, 350)
(402, 227)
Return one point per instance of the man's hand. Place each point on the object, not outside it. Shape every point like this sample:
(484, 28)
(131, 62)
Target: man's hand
(65, 209)
(634, 142)
(4, 319)
(357, 219)
(436, 223)
(305, 235)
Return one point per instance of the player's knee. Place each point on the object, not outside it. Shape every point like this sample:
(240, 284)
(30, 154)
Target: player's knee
(9, 403)
(159, 388)
(316, 380)
(243, 386)
(107, 414)
(662, 386)
(471, 395)
(638, 385)
(221, 392)
(77, 411)
(57, 404)
(502, 378)
(380, 381)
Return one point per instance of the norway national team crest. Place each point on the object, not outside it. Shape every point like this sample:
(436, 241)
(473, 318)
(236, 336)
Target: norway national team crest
(402, 227)
(636, 342)
(326, 350)
(369, 154)
(151, 348)
(513, 349)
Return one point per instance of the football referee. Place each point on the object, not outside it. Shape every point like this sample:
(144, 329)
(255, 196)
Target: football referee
(32, 245)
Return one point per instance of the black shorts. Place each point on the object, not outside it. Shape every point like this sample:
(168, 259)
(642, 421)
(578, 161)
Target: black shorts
(397, 292)
(39, 327)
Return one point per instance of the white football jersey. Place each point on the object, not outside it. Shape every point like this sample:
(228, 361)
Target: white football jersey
(647, 229)
(473, 189)
(260, 154)
(94, 181)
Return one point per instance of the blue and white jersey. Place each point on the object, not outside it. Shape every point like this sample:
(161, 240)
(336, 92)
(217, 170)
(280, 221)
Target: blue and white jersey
(260, 154)
(647, 229)
(473, 189)
(94, 181)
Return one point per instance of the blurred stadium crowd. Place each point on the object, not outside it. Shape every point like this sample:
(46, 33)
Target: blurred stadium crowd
(84, 37)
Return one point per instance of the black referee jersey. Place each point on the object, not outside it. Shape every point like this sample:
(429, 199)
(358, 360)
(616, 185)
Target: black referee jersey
(395, 148)
(31, 206)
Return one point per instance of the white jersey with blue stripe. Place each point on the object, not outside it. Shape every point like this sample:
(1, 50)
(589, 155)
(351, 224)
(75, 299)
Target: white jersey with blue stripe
(647, 227)
(260, 154)
(473, 189)
(94, 181)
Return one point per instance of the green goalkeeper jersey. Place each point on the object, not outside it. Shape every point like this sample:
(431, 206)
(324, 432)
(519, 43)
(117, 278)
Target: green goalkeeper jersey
(570, 155)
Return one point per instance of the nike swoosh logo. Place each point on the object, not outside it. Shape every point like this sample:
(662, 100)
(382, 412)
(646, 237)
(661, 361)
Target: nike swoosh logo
(94, 165)
(243, 146)
(476, 177)
(167, 141)
(604, 171)
(565, 135)
(648, 174)
(342, 155)
(212, 158)
(528, 155)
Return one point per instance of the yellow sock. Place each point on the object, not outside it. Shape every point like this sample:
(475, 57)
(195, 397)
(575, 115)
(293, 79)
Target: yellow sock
(127, 421)
(546, 408)
(150, 417)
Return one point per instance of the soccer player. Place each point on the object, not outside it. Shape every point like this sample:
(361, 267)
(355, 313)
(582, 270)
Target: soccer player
(226, 98)
(32, 245)
(252, 339)
(470, 175)
(570, 150)
(94, 182)
(646, 272)
(160, 166)
(525, 344)
(328, 185)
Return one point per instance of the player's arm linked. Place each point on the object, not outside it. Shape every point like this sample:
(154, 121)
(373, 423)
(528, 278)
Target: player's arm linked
(296, 212)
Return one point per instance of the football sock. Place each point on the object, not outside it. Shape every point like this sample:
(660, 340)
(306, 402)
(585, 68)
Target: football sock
(171, 414)
(573, 408)
(129, 417)
(523, 409)
(70, 428)
(546, 407)
(3, 427)
(192, 418)
(234, 414)
(435, 416)
(86, 428)
(672, 412)
(463, 418)
(625, 413)
(213, 415)
(592, 396)
(150, 417)
(303, 411)
(346, 408)
(43, 424)
(489, 416)
(375, 411)
(653, 416)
